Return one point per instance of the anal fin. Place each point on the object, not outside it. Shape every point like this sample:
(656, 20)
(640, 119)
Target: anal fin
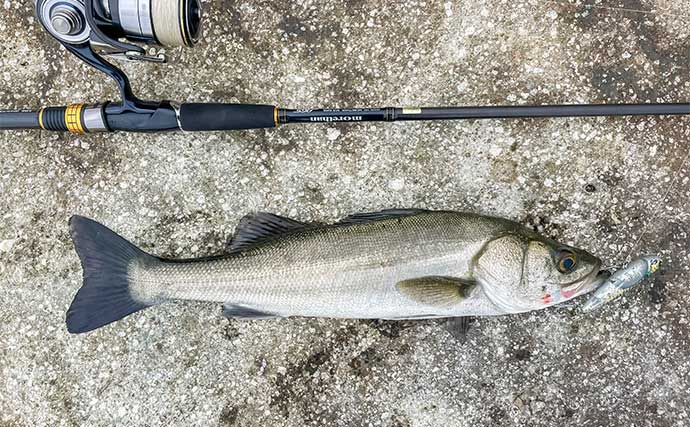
(244, 312)
(437, 291)
(458, 327)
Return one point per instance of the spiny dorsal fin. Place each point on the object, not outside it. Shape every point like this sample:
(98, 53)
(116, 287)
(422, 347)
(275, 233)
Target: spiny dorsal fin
(255, 228)
(438, 291)
(361, 218)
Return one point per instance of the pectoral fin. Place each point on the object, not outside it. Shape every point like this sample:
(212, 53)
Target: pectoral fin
(436, 291)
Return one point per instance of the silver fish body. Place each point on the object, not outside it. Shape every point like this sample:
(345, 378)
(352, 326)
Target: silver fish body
(396, 264)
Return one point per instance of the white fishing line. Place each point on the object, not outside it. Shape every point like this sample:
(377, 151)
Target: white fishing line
(621, 9)
(657, 208)
(167, 23)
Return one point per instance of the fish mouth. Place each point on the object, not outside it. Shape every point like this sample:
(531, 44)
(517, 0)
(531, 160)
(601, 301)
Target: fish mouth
(592, 281)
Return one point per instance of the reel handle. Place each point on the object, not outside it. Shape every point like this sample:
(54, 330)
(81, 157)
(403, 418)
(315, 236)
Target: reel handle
(205, 117)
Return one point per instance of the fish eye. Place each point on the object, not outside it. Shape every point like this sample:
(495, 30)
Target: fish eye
(566, 261)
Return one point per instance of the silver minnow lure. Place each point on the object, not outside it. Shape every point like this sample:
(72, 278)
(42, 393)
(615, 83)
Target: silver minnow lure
(394, 264)
(622, 281)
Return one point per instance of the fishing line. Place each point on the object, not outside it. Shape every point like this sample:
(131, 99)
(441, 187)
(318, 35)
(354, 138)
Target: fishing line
(657, 208)
(622, 9)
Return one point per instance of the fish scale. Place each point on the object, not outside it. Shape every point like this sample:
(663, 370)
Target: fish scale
(320, 267)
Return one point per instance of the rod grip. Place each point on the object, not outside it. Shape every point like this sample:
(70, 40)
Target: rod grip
(204, 117)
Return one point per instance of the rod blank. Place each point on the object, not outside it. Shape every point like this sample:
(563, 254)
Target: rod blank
(528, 111)
(392, 114)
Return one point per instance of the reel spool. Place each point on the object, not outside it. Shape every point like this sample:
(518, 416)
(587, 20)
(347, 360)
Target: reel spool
(168, 22)
(103, 24)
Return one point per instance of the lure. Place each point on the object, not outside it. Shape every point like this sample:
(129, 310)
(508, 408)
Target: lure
(622, 281)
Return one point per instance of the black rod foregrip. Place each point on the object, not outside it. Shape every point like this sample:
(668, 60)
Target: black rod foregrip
(19, 119)
(200, 117)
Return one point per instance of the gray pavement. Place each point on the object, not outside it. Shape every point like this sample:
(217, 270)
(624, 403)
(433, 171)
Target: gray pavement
(615, 186)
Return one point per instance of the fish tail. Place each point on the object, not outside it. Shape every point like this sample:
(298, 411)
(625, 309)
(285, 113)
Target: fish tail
(106, 260)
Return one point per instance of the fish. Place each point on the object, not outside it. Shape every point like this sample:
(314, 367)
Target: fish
(392, 264)
(621, 282)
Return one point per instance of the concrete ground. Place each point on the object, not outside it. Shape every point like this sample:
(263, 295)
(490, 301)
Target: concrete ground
(614, 186)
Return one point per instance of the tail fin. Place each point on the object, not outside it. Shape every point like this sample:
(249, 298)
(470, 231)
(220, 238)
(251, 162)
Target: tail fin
(105, 294)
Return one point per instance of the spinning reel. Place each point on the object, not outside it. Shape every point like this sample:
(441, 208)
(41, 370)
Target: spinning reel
(98, 30)
(102, 24)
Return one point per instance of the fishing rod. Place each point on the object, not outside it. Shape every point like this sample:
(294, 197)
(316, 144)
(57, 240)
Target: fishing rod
(94, 30)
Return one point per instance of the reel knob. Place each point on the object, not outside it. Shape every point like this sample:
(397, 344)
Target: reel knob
(66, 20)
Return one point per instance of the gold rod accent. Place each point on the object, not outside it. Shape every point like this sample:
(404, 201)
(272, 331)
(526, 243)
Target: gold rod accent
(40, 118)
(73, 118)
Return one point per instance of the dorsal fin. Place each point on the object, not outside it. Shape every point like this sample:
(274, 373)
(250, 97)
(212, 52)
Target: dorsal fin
(361, 218)
(258, 227)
